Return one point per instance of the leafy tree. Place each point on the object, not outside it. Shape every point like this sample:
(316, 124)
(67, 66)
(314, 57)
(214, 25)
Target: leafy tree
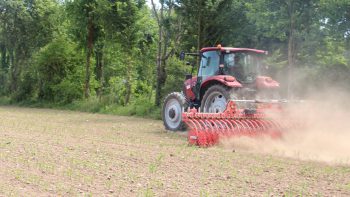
(59, 71)
(26, 26)
(98, 21)
(335, 16)
(284, 20)
(208, 23)
(83, 15)
(169, 34)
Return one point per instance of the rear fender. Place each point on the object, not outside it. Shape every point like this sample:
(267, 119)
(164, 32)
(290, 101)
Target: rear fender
(225, 80)
(263, 82)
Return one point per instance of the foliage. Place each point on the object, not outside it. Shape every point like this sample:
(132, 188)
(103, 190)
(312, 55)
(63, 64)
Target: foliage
(27, 26)
(123, 54)
(59, 71)
(176, 75)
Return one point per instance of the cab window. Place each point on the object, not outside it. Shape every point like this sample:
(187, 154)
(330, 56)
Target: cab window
(209, 64)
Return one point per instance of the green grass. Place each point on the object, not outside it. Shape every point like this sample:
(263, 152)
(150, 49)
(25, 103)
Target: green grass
(141, 107)
(5, 100)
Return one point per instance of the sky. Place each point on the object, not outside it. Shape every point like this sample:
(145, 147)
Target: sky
(148, 2)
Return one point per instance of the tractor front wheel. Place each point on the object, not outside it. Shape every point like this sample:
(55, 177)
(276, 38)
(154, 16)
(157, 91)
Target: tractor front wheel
(216, 97)
(173, 106)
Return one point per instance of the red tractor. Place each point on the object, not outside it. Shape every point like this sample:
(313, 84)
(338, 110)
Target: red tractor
(224, 74)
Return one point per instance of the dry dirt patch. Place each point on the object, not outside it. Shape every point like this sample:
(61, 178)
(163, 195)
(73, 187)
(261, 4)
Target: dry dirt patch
(45, 152)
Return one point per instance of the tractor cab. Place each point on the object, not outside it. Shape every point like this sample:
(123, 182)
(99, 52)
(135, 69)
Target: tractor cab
(243, 64)
(238, 68)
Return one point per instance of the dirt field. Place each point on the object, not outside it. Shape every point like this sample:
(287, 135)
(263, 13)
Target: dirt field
(51, 152)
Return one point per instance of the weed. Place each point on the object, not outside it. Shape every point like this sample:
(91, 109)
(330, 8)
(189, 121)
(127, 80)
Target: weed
(268, 193)
(204, 193)
(152, 167)
(155, 165)
(149, 192)
(347, 186)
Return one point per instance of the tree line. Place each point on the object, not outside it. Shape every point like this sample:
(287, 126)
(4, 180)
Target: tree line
(123, 51)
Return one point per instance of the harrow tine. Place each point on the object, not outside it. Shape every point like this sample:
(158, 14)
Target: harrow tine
(261, 125)
(202, 141)
(193, 133)
(230, 127)
(216, 129)
(239, 126)
(246, 127)
(223, 129)
(227, 127)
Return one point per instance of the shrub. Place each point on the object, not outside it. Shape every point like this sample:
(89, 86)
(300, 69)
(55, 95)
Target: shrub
(59, 71)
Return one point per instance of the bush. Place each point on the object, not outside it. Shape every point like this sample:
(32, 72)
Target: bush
(4, 100)
(60, 71)
(176, 71)
(3, 81)
(141, 107)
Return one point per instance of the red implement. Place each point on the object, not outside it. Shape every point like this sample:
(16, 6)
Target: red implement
(206, 129)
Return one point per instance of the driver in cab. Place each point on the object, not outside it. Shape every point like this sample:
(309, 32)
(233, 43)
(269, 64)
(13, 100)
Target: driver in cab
(234, 67)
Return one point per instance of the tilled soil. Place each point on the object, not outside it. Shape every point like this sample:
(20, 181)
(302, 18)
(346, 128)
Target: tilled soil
(51, 152)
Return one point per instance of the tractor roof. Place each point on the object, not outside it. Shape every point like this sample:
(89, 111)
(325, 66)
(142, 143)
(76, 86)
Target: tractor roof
(231, 49)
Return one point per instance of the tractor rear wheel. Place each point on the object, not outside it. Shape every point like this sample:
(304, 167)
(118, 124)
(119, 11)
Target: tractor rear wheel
(216, 97)
(173, 106)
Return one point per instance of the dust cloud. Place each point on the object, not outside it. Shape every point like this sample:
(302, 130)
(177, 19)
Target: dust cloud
(325, 136)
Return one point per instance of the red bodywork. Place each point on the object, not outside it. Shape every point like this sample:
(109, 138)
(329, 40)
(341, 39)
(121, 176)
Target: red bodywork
(188, 88)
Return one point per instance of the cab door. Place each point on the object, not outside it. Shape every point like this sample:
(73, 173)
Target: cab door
(209, 66)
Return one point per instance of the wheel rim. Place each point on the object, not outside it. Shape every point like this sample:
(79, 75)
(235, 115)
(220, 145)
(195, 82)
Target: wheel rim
(215, 103)
(172, 113)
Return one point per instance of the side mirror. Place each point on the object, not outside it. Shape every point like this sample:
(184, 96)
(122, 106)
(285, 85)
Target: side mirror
(182, 55)
(188, 76)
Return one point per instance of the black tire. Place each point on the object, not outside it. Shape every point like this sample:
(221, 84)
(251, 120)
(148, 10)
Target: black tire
(216, 97)
(173, 106)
